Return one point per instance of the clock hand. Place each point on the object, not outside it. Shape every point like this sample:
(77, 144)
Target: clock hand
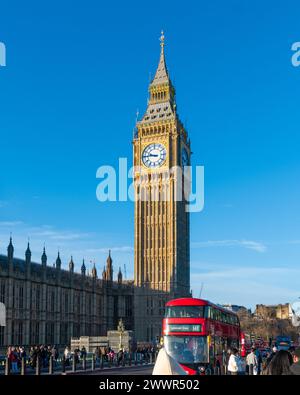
(153, 155)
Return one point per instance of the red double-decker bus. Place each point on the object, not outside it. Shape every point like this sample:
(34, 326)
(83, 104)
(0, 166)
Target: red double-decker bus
(198, 334)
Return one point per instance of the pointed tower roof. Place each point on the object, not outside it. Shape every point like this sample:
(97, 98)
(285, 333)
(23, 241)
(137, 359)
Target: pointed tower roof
(109, 268)
(58, 261)
(10, 248)
(94, 271)
(161, 75)
(83, 268)
(104, 274)
(28, 252)
(161, 104)
(10, 245)
(109, 260)
(44, 257)
(120, 276)
(71, 264)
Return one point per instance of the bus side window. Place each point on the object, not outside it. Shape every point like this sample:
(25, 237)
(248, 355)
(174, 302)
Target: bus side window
(207, 312)
(214, 315)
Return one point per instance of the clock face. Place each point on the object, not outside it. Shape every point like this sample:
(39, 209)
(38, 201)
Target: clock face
(184, 157)
(154, 155)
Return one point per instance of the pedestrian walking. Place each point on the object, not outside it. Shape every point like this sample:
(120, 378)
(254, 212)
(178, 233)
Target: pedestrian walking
(83, 352)
(67, 356)
(241, 363)
(111, 356)
(120, 356)
(233, 362)
(98, 354)
(33, 356)
(13, 359)
(259, 361)
(22, 352)
(54, 354)
(251, 362)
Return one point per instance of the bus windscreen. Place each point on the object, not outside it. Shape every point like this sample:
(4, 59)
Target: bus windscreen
(185, 312)
(187, 349)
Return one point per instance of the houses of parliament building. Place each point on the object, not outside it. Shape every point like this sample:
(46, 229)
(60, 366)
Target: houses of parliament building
(46, 304)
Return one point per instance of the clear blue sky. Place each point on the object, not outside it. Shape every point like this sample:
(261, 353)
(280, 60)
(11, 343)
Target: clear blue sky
(76, 73)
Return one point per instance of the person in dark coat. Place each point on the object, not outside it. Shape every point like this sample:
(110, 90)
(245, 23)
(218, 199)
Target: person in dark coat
(120, 356)
(280, 364)
(259, 361)
(83, 351)
(272, 355)
(295, 367)
(33, 356)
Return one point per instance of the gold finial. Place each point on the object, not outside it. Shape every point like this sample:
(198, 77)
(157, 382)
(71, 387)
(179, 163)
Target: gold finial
(162, 39)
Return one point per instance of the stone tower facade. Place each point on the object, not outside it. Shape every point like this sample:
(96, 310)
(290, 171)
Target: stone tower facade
(161, 150)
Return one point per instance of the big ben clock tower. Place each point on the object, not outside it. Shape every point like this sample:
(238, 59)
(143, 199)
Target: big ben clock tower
(161, 236)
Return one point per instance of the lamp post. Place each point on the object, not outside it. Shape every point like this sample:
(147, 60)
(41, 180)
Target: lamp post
(121, 330)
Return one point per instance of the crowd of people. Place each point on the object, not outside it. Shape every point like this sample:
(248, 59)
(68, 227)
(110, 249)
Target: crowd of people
(141, 354)
(41, 354)
(280, 362)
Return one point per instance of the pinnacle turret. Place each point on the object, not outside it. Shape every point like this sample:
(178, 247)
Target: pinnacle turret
(109, 268)
(94, 271)
(71, 265)
(83, 268)
(58, 261)
(44, 257)
(10, 250)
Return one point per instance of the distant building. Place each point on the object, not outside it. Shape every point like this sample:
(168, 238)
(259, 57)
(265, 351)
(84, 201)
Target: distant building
(236, 309)
(280, 311)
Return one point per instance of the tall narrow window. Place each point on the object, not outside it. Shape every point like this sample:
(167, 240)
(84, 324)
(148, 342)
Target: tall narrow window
(66, 303)
(2, 292)
(37, 298)
(1, 335)
(20, 334)
(52, 301)
(37, 333)
(13, 295)
(21, 297)
(13, 332)
(90, 305)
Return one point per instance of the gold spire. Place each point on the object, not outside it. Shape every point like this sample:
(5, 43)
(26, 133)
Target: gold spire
(161, 92)
(162, 40)
(161, 75)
